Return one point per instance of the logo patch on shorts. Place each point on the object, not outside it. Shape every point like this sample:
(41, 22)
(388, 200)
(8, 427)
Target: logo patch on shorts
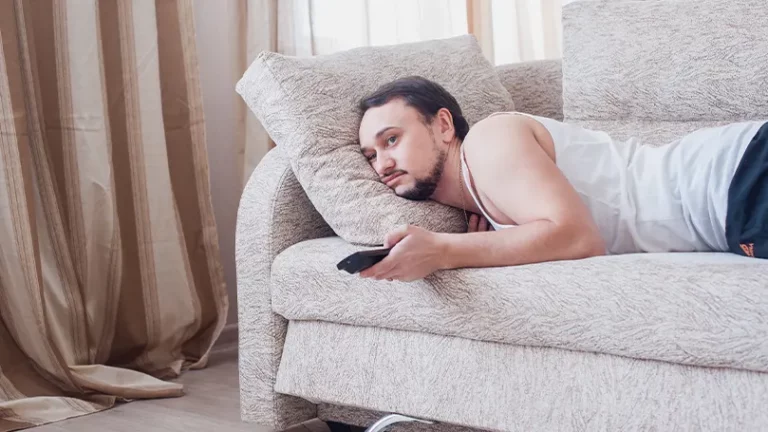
(749, 249)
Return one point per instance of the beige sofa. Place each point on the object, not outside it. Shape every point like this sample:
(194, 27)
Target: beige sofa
(665, 341)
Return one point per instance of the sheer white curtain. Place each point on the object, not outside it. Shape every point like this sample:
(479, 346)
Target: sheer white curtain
(508, 30)
(525, 30)
(344, 24)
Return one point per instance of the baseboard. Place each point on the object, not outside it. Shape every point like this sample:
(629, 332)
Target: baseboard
(228, 338)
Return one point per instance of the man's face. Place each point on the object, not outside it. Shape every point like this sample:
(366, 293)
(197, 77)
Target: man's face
(402, 149)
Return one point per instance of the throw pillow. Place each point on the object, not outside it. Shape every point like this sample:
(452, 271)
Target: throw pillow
(309, 108)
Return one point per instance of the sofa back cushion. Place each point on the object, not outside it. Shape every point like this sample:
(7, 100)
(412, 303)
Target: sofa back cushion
(309, 108)
(630, 65)
(536, 86)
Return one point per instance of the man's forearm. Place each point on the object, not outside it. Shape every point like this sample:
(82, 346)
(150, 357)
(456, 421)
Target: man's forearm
(525, 244)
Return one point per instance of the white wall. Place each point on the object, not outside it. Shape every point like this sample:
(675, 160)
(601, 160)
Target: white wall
(217, 44)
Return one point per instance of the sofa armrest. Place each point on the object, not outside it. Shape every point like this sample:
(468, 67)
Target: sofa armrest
(274, 214)
(535, 86)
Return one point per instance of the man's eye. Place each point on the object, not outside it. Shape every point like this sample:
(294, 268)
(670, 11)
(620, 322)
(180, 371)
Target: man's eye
(391, 140)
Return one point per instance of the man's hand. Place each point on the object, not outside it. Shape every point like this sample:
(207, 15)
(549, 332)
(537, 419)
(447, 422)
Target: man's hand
(416, 253)
(478, 224)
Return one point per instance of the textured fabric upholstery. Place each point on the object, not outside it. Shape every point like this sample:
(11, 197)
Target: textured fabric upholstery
(705, 309)
(683, 60)
(536, 87)
(309, 107)
(512, 388)
(274, 214)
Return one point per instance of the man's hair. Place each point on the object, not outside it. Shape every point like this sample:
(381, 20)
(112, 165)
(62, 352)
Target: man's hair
(426, 96)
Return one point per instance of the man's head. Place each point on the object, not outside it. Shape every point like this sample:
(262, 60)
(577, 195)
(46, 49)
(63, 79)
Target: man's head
(407, 127)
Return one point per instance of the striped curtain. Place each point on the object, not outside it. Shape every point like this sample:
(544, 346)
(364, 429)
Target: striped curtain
(110, 278)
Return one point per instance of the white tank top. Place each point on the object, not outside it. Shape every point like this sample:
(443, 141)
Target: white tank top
(671, 198)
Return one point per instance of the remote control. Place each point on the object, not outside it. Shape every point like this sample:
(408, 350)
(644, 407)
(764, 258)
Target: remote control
(362, 260)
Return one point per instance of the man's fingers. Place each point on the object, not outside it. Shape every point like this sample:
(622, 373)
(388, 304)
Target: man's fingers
(377, 270)
(372, 270)
(385, 269)
(392, 275)
(483, 224)
(386, 272)
(472, 223)
(393, 237)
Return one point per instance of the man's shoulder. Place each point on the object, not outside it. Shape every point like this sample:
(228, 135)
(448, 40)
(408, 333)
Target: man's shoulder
(502, 121)
(495, 135)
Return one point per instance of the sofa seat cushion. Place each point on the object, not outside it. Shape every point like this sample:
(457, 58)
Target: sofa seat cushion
(706, 309)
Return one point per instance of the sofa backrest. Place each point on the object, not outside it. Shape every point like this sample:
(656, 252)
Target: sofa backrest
(659, 68)
(536, 87)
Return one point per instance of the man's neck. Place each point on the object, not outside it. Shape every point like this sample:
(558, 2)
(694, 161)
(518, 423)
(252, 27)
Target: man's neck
(451, 189)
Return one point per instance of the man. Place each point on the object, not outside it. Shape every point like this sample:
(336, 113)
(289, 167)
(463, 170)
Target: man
(553, 191)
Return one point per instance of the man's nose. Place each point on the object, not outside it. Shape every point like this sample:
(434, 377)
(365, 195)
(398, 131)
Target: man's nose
(385, 165)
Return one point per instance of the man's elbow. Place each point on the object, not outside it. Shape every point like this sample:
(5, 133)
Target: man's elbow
(589, 245)
(584, 242)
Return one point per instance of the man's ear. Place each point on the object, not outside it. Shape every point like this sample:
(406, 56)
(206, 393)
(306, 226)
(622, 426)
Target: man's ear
(446, 129)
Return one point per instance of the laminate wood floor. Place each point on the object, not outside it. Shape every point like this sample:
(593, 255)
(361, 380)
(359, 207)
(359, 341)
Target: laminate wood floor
(211, 403)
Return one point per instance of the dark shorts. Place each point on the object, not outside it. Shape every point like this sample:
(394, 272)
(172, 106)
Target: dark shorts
(746, 221)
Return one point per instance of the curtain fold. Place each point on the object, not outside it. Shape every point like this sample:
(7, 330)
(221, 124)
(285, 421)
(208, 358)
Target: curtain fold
(257, 29)
(110, 276)
(480, 24)
(283, 26)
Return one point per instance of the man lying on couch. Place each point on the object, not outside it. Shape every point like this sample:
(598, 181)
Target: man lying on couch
(554, 191)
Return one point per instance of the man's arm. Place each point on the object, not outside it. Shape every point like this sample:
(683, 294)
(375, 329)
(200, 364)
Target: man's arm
(511, 168)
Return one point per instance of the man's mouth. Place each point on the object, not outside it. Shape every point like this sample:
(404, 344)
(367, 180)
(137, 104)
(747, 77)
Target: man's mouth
(389, 180)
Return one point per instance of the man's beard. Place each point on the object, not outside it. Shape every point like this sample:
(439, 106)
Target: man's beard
(425, 187)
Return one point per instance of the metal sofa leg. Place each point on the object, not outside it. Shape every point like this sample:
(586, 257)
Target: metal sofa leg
(384, 423)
